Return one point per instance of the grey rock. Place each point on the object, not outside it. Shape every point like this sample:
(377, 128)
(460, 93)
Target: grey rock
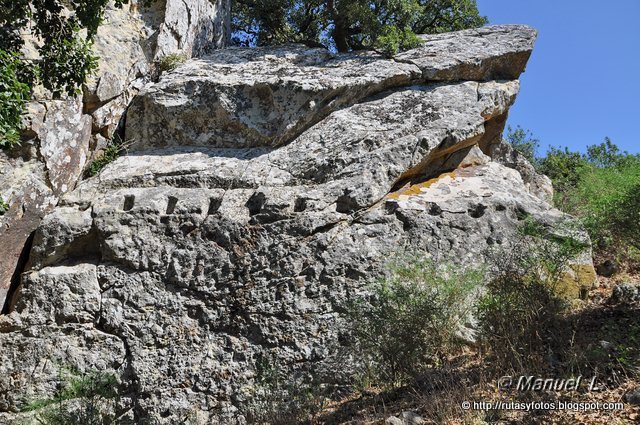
(64, 143)
(538, 184)
(411, 418)
(59, 135)
(633, 397)
(261, 97)
(194, 27)
(498, 52)
(186, 263)
(608, 268)
(625, 293)
(394, 420)
(268, 96)
(50, 165)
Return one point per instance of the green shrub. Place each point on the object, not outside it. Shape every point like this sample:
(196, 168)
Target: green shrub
(88, 399)
(281, 398)
(606, 200)
(564, 168)
(115, 148)
(171, 61)
(4, 207)
(520, 313)
(62, 34)
(523, 141)
(601, 189)
(393, 40)
(13, 96)
(412, 320)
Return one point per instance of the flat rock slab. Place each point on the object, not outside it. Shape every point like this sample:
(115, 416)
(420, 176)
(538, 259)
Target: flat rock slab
(498, 52)
(268, 96)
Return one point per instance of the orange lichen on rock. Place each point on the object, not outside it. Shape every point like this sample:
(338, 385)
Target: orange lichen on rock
(416, 189)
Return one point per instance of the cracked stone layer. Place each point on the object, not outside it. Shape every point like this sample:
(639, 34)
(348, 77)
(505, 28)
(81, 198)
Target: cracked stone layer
(208, 260)
(60, 137)
(266, 97)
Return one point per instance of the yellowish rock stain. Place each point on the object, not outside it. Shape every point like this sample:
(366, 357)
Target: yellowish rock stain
(416, 189)
(573, 282)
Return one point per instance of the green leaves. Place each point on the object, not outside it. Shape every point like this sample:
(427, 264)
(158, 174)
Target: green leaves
(523, 141)
(115, 148)
(4, 207)
(66, 65)
(386, 25)
(392, 40)
(63, 33)
(13, 96)
(412, 319)
(602, 188)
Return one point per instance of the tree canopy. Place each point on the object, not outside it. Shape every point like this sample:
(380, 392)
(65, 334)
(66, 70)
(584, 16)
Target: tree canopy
(345, 25)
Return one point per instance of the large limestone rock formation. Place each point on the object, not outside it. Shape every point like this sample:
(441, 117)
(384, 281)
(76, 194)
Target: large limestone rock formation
(61, 136)
(264, 189)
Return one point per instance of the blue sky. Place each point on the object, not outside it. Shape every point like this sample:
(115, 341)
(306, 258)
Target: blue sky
(582, 82)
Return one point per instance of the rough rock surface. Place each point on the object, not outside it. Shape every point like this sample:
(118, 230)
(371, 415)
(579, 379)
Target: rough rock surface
(61, 136)
(538, 184)
(255, 204)
(266, 97)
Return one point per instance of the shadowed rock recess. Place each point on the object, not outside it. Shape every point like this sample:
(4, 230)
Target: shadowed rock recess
(264, 188)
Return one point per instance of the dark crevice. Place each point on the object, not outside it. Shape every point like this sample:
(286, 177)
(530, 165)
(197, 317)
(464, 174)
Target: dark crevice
(214, 205)
(129, 202)
(171, 204)
(21, 265)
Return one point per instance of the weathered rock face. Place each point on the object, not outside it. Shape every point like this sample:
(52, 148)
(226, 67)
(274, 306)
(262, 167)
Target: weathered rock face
(266, 97)
(267, 187)
(62, 135)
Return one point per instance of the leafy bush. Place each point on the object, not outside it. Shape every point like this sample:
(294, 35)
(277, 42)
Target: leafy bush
(564, 168)
(606, 199)
(171, 61)
(520, 314)
(601, 189)
(13, 96)
(412, 319)
(62, 33)
(523, 141)
(393, 40)
(88, 399)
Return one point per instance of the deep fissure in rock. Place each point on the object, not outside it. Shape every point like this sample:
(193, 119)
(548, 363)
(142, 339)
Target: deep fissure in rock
(23, 260)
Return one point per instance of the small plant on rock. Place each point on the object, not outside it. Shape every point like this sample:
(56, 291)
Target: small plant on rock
(171, 61)
(13, 96)
(4, 207)
(89, 399)
(115, 148)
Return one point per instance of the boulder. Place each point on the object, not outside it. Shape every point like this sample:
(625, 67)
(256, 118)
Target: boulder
(266, 188)
(268, 96)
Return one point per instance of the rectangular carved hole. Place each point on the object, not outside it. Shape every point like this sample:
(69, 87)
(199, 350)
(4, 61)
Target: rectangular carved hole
(171, 204)
(214, 205)
(300, 205)
(129, 202)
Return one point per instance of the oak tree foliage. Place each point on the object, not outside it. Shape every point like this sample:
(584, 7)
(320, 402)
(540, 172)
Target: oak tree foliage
(345, 25)
(62, 32)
